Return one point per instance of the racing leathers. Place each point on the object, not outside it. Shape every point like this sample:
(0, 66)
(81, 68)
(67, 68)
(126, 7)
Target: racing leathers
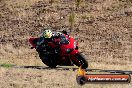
(42, 42)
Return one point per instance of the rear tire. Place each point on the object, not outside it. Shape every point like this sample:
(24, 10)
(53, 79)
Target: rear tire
(80, 61)
(49, 60)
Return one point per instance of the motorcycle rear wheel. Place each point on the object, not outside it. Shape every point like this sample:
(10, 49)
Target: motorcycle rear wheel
(48, 60)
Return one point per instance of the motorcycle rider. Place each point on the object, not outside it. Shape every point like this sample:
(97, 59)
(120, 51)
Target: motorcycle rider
(49, 36)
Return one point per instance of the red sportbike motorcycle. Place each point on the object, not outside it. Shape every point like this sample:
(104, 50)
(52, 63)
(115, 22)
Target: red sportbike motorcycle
(64, 53)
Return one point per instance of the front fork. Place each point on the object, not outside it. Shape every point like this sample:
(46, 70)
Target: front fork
(73, 58)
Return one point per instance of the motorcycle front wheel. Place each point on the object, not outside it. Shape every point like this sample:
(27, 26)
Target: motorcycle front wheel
(80, 61)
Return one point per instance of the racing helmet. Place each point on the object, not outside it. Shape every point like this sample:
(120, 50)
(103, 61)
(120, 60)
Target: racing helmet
(47, 34)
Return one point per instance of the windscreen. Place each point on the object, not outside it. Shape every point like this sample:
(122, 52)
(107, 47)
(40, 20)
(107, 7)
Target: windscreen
(64, 39)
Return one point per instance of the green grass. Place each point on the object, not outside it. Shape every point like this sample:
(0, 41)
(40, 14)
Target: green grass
(6, 65)
(72, 20)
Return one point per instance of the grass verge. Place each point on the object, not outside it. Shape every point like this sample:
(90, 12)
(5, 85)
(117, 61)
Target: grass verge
(6, 65)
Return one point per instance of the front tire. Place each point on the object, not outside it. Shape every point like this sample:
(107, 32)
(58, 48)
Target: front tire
(80, 61)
